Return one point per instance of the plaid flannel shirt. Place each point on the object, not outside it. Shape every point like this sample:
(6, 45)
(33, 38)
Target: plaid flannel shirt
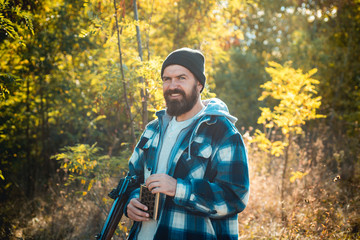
(211, 167)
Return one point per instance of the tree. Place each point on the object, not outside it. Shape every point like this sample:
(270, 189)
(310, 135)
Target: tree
(237, 83)
(297, 104)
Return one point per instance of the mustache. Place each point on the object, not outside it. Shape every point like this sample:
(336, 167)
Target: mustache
(174, 91)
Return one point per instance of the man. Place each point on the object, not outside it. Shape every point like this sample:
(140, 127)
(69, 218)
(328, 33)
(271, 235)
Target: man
(194, 156)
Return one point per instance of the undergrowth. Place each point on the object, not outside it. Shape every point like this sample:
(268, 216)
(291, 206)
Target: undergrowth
(318, 205)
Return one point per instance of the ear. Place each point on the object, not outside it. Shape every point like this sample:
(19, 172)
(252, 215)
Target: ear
(199, 86)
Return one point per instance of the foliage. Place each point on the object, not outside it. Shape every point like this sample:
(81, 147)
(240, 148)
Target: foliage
(297, 175)
(237, 77)
(275, 148)
(295, 92)
(82, 164)
(61, 91)
(12, 28)
(297, 104)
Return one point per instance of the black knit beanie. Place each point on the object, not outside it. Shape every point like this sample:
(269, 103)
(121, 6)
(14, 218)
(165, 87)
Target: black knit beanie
(191, 59)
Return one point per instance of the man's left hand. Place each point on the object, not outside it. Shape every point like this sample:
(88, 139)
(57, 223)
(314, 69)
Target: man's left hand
(162, 183)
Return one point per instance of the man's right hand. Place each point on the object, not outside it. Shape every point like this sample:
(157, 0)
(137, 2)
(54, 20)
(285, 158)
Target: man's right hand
(137, 211)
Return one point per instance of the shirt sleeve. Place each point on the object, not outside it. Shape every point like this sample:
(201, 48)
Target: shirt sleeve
(136, 167)
(226, 192)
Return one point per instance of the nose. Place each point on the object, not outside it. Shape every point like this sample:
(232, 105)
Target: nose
(171, 84)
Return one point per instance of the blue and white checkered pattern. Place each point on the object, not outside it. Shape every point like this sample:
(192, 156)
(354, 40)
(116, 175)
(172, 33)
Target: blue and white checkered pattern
(211, 167)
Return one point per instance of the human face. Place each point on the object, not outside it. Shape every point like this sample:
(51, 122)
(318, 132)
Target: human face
(181, 90)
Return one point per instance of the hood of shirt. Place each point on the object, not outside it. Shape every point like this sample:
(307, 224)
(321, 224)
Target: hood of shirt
(213, 107)
(216, 107)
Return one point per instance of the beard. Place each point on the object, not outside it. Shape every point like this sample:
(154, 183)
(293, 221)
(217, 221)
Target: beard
(184, 105)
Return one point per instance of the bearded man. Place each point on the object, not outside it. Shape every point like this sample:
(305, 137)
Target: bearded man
(194, 156)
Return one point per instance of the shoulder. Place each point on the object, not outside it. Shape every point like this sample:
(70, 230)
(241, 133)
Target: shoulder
(151, 128)
(222, 125)
(152, 124)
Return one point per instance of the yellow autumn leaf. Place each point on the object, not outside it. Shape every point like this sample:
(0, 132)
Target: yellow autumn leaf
(297, 175)
(1, 175)
(90, 185)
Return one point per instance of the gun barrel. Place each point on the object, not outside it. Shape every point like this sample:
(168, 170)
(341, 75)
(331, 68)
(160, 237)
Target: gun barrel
(117, 209)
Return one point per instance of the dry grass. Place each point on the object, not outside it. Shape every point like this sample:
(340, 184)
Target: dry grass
(319, 206)
(313, 212)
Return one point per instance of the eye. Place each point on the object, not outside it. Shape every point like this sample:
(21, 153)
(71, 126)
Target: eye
(165, 79)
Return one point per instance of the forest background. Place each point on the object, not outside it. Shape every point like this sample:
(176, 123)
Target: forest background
(80, 79)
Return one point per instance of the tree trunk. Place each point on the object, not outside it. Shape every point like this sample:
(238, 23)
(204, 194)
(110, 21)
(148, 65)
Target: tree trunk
(148, 32)
(128, 108)
(143, 93)
(29, 163)
(283, 181)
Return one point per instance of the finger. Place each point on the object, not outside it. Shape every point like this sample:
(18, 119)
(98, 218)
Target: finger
(168, 188)
(153, 185)
(136, 210)
(150, 180)
(136, 203)
(155, 178)
(134, 216)
(137, 218)
(161, 183)
(157, 190)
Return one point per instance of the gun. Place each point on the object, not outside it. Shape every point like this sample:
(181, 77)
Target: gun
(120, 196)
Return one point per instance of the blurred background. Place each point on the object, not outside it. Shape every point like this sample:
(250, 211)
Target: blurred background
(80, 79)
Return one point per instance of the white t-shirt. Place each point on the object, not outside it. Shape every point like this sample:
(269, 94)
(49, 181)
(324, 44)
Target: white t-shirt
(171, 135)
(172, 132)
